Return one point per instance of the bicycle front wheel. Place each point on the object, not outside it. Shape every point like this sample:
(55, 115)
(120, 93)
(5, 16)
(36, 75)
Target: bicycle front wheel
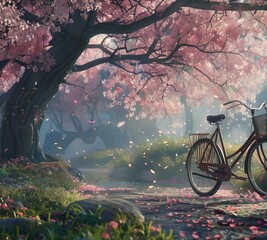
(205, 151)
(256, 166)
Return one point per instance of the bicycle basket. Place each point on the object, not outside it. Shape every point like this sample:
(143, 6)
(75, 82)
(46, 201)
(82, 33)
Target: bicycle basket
(196, 136)
(260, 125)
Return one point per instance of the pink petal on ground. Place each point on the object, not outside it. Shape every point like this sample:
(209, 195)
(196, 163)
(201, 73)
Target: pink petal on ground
(254, 229)
(209, 221)
(92, 188)
(170, 214)
(195, 235)
(229, 208)
(232, 225)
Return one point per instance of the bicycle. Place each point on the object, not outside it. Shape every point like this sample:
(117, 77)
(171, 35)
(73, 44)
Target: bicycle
(208, 165)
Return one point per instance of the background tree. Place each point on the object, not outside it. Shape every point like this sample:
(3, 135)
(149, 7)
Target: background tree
(156, 48)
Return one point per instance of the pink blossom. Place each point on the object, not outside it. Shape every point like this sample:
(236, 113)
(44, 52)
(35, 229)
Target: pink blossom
(105, 235)
(23, 208)
(20, 214)
(53, 220)
(8, 200)
(4, 206)
(154, 229)
(112, 225)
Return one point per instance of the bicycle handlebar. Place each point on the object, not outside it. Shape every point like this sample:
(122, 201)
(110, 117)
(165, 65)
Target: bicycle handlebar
(243, 104)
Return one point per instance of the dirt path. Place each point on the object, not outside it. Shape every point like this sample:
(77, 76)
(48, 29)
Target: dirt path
(224, 216)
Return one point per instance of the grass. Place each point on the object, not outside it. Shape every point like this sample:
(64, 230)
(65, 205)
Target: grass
(110, 159)
(166, 157)
(42, 192)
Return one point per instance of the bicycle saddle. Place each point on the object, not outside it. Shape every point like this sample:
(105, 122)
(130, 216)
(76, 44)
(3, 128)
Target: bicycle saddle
(215, 118)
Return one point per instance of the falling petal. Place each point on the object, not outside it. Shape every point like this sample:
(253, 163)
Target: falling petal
(120, 124)
(92, 122)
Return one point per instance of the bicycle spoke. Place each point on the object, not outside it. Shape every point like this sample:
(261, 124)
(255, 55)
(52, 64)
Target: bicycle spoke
(256, 167)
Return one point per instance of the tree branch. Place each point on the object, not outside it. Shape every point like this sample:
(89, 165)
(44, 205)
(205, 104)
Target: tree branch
(117, 28)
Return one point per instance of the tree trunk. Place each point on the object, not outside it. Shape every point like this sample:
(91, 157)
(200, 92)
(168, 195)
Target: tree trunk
(26, 101)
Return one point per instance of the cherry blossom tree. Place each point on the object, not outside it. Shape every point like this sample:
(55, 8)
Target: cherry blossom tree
(151, 49)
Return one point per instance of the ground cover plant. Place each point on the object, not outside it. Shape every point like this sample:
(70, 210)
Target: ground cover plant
(41, 193)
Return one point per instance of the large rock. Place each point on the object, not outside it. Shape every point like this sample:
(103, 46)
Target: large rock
(110, 209)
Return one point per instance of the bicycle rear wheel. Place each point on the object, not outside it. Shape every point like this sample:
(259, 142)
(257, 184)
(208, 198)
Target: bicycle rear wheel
(204, 150)
(256, 166)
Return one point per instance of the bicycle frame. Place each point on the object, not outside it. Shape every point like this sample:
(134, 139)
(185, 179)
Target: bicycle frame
(208, 164)
(218, 138)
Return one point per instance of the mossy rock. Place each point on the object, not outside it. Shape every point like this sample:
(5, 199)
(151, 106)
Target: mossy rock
(109, 209)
